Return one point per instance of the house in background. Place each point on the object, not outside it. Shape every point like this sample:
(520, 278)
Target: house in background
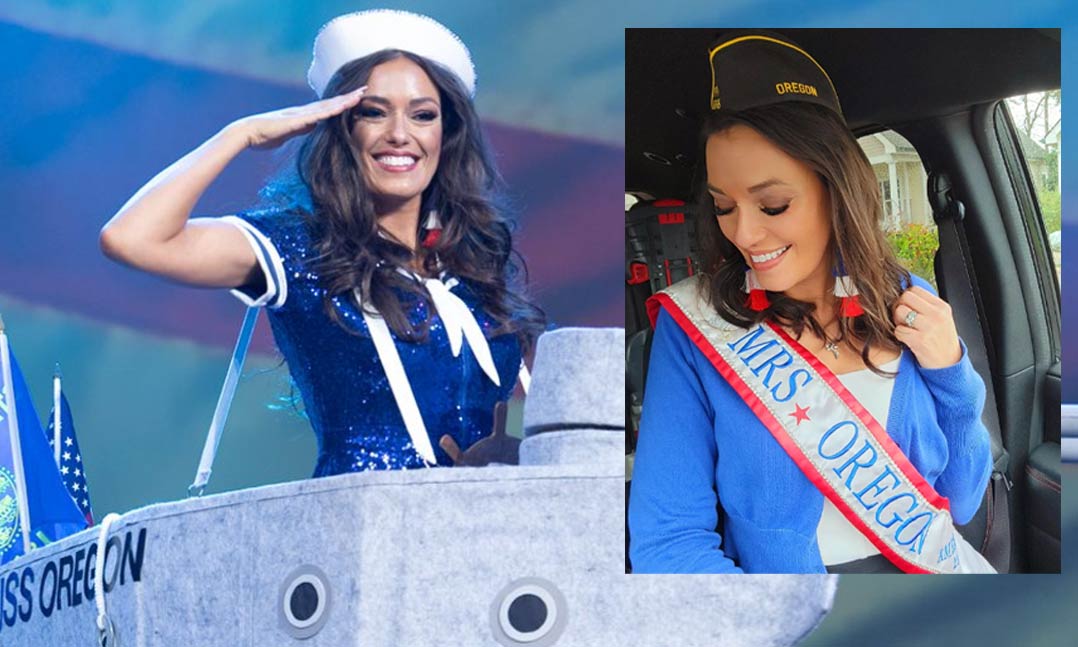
(903, 181)
(901, 178)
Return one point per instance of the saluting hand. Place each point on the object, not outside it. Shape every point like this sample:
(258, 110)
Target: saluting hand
(932, 337)
(271, 129)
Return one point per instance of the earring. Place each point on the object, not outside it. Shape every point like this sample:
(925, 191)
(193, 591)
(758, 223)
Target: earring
(846, 291)
(757, 295)
(433, 225)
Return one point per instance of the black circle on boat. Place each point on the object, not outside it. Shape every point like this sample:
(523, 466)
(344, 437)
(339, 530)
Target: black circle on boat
(528, 611)
(304, 601)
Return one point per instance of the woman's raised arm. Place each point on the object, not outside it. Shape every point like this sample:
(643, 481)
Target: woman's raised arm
(152, 231)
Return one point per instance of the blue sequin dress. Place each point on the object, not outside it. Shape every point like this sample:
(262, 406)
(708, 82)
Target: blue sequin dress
(339, 376)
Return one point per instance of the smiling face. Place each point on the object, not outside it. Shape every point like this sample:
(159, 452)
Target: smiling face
(398, 129)
(774, 209)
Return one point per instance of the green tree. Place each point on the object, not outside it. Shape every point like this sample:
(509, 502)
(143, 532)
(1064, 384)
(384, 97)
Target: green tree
(1050, 210)
(915, 246)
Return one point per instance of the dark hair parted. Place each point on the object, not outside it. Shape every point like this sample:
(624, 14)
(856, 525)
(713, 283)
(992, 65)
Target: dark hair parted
(475, 244)
(817, 137)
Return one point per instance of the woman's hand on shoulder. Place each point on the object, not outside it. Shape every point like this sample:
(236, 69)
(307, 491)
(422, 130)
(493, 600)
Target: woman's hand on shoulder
(271, 129)
(932, 338)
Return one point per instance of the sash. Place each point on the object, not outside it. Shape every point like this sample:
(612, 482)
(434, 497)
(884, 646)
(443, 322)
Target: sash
(831, 437)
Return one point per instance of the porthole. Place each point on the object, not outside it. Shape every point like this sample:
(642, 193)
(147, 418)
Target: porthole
(529, 611)
(304, 601)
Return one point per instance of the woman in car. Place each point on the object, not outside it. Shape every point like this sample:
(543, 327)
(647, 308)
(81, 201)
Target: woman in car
(384, 262)
(805, 382)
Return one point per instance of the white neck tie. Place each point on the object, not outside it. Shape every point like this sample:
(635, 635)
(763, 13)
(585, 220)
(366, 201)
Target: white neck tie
(460, 324)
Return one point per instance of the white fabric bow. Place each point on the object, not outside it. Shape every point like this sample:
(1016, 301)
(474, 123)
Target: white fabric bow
(460, 323)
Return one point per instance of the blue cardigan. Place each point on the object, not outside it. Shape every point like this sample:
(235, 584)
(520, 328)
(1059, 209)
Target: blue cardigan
(697, 437)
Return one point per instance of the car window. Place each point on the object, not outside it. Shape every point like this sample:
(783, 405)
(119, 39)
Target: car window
(907, 216)
(1037, 121)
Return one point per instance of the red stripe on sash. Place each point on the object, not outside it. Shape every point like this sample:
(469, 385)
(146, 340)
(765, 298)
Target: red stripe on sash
(779, 432)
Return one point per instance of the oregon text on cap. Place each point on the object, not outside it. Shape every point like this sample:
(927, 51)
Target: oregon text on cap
(796, 88)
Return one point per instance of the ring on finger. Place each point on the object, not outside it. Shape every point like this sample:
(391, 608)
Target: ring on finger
(911, 316)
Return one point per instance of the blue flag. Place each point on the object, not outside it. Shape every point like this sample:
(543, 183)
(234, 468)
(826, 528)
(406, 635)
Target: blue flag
(72, 470)
(53, 514)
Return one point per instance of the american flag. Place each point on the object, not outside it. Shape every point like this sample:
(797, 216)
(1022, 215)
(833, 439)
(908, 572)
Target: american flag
(69, 460)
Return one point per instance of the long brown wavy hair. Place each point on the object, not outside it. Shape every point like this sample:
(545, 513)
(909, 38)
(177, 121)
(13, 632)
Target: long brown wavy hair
(819, 138)
(475, 245)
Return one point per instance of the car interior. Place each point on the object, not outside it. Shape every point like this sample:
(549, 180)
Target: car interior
(942, 90)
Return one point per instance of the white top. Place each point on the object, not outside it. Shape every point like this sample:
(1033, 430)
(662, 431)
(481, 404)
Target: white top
(839, 540)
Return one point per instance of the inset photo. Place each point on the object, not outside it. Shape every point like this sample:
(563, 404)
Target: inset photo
(843, 300)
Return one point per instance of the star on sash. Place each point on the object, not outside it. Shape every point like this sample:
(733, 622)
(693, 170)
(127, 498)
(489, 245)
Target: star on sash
(801, 414)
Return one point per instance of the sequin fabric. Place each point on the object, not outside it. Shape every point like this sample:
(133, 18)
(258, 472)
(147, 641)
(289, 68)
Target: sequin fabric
(338, 374)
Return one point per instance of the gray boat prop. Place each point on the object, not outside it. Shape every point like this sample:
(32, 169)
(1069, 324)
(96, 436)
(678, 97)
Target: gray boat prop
(529, 554)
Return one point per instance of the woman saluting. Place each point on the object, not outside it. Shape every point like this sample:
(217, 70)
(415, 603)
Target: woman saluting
(386, 269)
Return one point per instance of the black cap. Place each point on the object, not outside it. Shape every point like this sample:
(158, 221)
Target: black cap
(757, 68)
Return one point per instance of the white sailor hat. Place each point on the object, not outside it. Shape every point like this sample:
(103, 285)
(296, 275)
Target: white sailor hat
(355, 35)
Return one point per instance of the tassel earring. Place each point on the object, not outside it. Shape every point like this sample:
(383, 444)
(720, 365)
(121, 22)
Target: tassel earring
(433, 226)
(846, 291)
(758, 300)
